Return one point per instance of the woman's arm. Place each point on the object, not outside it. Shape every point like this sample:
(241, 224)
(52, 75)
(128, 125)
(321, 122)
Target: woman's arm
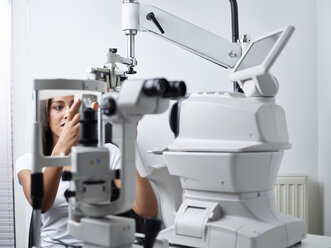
(51, 175)
(146, 203)
(51, 183)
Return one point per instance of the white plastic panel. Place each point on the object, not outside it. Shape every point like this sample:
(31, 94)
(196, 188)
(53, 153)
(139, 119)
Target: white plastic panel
(192, 222)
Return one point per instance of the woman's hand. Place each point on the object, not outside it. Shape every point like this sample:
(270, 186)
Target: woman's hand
(95, 106)
(70, 132)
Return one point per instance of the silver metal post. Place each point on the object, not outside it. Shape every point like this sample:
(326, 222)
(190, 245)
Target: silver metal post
(100, 126)
(131, 48)
(37, 106)
(36, 227)
(131, 43)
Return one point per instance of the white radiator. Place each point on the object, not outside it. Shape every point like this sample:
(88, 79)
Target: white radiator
(291, 194)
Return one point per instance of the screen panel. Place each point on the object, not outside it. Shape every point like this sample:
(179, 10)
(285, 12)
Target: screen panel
(258, 52)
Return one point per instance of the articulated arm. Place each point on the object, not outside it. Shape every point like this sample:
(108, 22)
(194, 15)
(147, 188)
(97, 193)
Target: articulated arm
(137, 17)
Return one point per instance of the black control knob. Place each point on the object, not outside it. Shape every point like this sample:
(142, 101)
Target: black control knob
(68, 194)
(117, 174)
(66, 176)
(151, 17)
(108, 106)
(112, 50)
(174, 119)
(131, 70)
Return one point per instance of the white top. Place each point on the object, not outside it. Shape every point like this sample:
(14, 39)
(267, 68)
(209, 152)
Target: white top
(54, 221)
(312, 241)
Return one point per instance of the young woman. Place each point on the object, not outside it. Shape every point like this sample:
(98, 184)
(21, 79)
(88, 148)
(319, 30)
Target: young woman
(60, 124)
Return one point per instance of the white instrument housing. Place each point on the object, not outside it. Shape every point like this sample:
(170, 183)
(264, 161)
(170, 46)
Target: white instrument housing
(230, 122)
(227, 155)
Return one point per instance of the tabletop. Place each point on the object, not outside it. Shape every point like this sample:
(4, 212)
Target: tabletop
(314, 241)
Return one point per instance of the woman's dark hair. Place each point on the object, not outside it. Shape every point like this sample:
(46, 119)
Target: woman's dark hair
(47, 137)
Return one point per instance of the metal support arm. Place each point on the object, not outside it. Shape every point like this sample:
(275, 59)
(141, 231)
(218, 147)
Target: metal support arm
(147, 18)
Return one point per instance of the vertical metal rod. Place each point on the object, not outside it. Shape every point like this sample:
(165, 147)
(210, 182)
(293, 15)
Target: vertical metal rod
(36, 227)
(131, 48)
(100, 125)
(131, 45)
(36, 223)
(37, 106)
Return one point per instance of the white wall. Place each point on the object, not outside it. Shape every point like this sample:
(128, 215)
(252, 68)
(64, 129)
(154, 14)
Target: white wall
(67, 36)
(298, 85)
(324, 102)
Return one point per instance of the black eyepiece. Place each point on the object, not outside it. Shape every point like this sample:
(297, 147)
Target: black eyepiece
(175, 89)
(164, 88)
(155, 87)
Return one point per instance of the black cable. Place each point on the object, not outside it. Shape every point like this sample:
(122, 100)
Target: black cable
(60, 242)
(235, 20)
(235, 33)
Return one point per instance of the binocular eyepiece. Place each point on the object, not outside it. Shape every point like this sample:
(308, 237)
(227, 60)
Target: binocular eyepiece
(151, 87)
(164, 88)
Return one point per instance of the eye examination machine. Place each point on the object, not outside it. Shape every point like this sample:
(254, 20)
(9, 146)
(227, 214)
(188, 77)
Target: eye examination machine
(226, 154)
(228, 160)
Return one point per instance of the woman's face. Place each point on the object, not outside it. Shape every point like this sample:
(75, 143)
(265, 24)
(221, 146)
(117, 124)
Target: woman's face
(58, 114)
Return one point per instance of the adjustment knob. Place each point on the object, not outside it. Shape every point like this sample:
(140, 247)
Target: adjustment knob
(131, 70)
(68, 194)
(112, 50)
(66, 176)
(117, 174)
(108, 106)
(174, 119)
(151, 17)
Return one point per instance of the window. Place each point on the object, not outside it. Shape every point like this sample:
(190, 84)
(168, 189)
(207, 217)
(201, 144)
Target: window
(7, 234)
